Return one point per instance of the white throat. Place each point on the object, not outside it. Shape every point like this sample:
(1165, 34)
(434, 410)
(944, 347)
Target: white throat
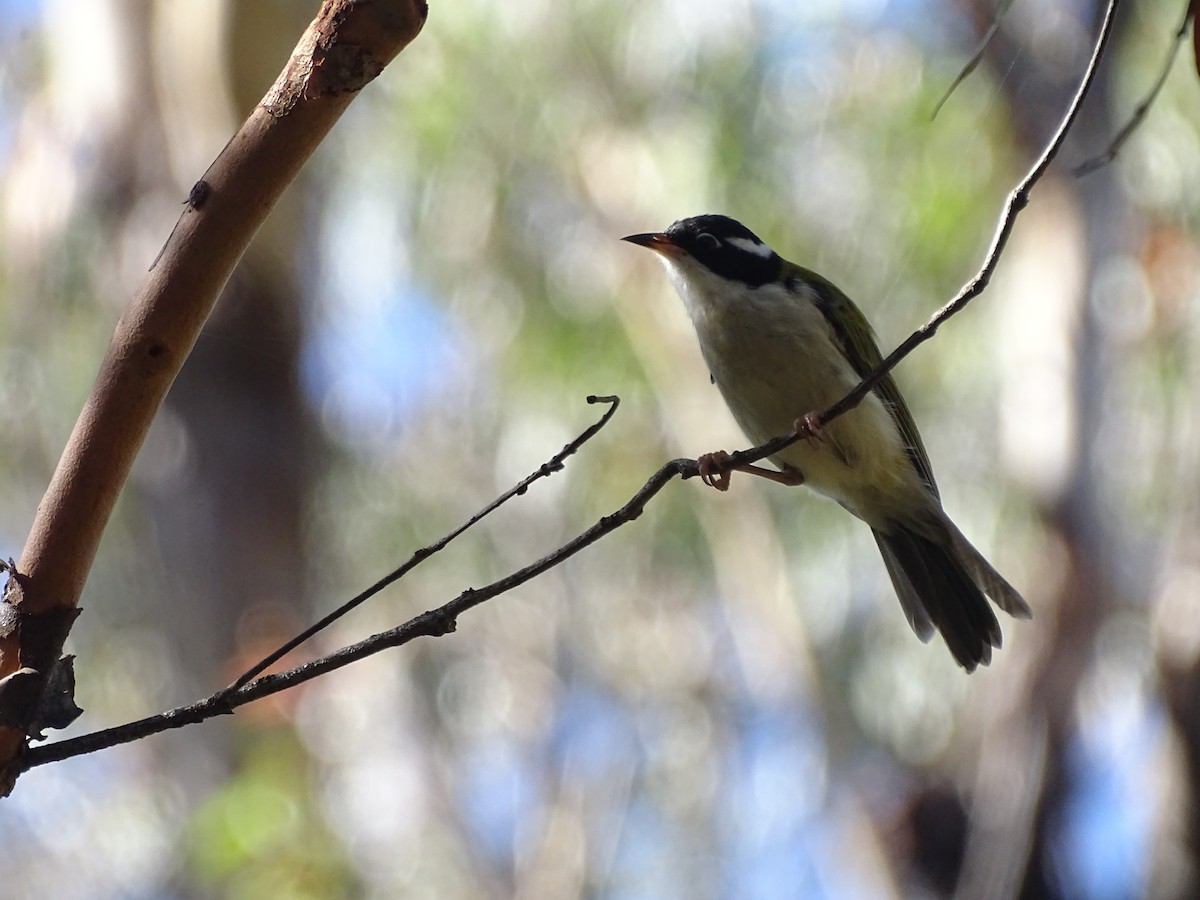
(704, 293)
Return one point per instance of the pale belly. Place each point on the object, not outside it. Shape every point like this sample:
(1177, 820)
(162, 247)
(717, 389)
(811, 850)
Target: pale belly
(771, 379)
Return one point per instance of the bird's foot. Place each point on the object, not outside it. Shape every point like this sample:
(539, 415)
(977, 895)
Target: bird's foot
(790, 475)
(809, 427)
(707, 462)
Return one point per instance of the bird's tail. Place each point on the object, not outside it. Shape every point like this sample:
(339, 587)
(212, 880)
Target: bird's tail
(945, 585)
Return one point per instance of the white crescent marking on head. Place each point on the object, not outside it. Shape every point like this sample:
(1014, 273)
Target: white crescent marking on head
(758, 248)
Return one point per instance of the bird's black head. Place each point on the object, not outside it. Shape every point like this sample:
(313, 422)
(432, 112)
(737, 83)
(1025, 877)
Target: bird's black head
(722, 245)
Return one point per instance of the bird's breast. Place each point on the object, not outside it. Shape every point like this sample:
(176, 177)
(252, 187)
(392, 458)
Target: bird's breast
(774, 359)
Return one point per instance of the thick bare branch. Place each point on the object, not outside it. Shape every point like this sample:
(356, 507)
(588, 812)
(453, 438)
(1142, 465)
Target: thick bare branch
(346, 46)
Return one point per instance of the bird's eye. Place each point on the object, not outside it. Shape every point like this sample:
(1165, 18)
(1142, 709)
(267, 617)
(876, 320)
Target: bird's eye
(707, 241)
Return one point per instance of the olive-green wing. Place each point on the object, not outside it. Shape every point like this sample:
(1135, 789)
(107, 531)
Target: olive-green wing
(859, 347)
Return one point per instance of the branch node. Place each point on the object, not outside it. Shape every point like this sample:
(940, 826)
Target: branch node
(221, 702)
(199, 194)
(439, 622)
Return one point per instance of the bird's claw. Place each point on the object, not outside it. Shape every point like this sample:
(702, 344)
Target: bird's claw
(809, 427)
(707, 462)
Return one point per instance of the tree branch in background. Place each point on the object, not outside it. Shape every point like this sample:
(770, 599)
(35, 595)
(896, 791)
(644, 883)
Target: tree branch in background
(346, 46)
(443, 619)
(1135, 120)
(548, 468)
(976, 57)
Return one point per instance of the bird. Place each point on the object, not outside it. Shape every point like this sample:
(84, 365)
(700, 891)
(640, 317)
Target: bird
(782, 343)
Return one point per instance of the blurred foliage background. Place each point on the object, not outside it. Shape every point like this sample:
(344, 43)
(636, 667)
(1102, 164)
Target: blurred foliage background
(722, 699)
